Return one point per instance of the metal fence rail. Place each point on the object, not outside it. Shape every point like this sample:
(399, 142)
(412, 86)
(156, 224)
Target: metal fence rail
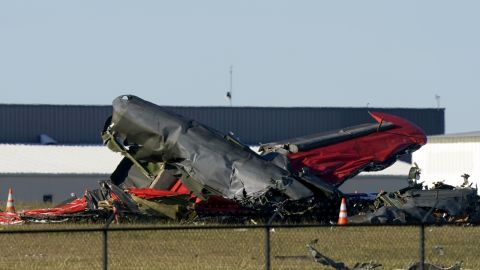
(235, 247)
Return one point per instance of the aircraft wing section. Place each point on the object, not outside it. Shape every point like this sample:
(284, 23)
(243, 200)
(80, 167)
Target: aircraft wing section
(337, 156)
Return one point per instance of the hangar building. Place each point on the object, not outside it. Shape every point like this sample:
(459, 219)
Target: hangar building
(447, 157)
(50, 151)
(77, 124)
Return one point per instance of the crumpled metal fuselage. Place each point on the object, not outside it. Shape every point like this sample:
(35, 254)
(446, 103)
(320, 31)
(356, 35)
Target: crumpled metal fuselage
(207, 162)
(162, 145)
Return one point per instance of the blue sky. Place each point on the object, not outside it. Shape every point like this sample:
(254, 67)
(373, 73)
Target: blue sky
(284, 53)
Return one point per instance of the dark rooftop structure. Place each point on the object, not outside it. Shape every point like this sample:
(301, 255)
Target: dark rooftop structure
(78, 124)
(464, 137)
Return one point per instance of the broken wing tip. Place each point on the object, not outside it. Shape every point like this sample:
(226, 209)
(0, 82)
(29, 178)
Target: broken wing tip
(376, 116)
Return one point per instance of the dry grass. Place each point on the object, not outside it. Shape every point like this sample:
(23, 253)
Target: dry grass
(394, 247)
(26, 205)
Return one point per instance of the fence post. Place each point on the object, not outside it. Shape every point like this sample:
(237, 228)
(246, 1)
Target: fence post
(105, 240)
(422, 246)
(267, 247)
(105, 248)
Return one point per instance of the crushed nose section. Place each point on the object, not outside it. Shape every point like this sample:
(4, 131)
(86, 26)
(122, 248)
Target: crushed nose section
(207, 162)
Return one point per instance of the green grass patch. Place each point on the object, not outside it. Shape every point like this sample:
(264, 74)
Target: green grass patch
(235, 248)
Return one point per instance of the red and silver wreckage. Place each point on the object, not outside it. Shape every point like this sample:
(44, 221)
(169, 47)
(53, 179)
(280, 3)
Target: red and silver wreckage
(177, 168)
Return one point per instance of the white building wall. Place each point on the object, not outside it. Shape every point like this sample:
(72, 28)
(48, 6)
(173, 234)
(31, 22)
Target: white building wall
(29, 188)
(57, 159)
(448, 161)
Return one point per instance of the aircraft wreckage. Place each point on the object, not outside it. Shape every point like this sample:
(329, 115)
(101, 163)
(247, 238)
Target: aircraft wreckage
(177, 168)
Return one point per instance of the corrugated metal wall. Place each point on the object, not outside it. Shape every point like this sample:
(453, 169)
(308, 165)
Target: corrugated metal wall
(82, 124)
(32, 187)
(448, 161)
(66, 124)
(256, 124)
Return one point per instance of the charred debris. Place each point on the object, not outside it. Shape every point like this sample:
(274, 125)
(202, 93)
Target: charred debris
(338, 265)
(175, 168)
(416, 204)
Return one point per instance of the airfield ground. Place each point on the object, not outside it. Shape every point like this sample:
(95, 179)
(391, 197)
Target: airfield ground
(394, 247)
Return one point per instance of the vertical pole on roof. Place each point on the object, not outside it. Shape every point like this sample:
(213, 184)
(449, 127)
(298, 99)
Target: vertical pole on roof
(229, 95)
(231, 86)
(422, 246)
(267, 247)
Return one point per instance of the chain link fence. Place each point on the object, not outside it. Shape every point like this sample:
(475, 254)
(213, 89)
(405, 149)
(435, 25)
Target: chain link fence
(236, 247)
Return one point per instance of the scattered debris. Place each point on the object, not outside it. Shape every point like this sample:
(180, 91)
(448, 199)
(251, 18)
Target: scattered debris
(296, 177)
(177, 168)
(10, 219)
(428, 266)
(293, 257)
(439, 250)
(324, 260)
(466, 183)
(417, 204)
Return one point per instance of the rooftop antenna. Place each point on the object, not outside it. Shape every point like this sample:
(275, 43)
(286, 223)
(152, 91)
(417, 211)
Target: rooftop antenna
(230, 91)
(437, 97)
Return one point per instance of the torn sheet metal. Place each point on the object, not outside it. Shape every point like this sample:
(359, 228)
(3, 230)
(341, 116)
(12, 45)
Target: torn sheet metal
(178, 168)
(326, 261)
(429, 266)
(75, 206)
(207, 162)
(161, 147)
(171, 207)
(120, 197)
(414, 205)
(174, 205)
(7, 218)
(454, 202)
(94, 205)
(339, 155)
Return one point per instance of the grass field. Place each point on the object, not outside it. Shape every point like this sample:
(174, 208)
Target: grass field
(26, 205)
(394, 247)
